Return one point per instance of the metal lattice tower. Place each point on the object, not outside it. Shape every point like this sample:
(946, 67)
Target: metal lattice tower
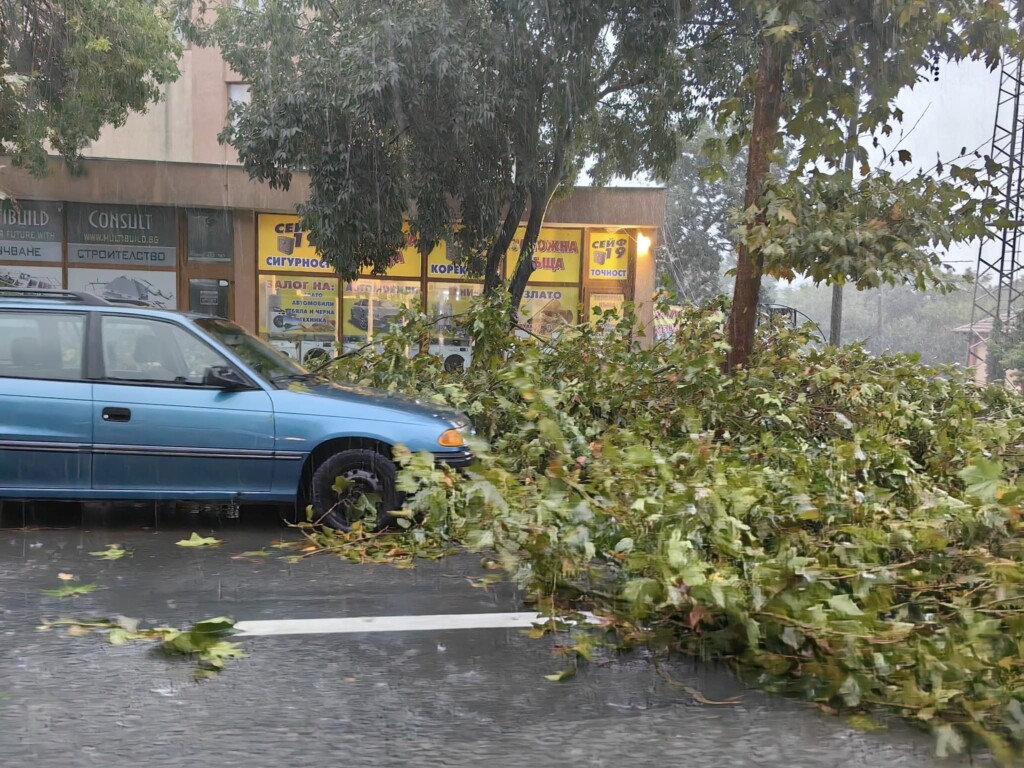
(999, 289)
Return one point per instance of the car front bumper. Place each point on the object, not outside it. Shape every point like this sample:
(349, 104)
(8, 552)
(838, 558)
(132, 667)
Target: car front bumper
(454, 459)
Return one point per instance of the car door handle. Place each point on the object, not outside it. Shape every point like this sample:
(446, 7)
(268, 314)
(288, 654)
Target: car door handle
(117, 414)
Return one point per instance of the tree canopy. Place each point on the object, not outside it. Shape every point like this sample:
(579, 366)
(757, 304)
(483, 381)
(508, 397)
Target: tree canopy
(457, 119)
(818, 64)
(72, 67)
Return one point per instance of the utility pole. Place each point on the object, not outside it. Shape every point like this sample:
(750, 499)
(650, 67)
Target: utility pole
(835, 328)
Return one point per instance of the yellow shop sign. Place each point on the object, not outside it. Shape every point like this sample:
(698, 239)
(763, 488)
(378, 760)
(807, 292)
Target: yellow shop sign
(608, 255)
(556, 258)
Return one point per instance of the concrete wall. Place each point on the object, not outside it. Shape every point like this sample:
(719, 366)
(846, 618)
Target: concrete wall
(183, 126)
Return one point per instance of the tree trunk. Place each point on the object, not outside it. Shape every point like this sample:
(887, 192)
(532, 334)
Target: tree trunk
(492, 271)
(835, 328)
(524, 268)
(750, 263)
(835, 333)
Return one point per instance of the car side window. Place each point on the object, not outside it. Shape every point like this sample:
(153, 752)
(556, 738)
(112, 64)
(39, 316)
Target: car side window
(145, 350)
(41, 345)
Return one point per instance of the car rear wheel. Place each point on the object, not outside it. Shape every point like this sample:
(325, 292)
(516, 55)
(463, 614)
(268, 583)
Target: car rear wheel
(355, 485)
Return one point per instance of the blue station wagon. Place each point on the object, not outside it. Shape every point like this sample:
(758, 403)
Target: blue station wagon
(112, 401)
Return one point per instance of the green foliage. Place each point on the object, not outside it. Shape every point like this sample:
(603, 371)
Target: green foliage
(195, 540)
(823, 75)
(205, 641)
(70, 68)
(839, 526)
(879, 230)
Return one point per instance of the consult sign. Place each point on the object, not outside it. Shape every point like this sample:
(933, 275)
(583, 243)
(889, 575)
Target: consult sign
(140, 236)
(31, 231)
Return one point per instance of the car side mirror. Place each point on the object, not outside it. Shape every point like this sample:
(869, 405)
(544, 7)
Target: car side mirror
(224, 377)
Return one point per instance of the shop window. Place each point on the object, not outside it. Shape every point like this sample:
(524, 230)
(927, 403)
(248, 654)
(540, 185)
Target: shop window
(446, 302)
(209, 297)
(371, 308)
(210, 237)
(299, 315)
(546, 309)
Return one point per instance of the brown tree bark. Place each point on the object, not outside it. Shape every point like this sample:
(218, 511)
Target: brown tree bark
(764, 136)
(524, 267)
(513, 215)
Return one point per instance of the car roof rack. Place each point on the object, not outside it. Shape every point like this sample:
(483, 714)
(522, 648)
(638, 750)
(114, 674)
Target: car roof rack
(58, 295)
(130, 302)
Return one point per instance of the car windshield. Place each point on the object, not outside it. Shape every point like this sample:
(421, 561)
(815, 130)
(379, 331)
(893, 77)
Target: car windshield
(258, 355)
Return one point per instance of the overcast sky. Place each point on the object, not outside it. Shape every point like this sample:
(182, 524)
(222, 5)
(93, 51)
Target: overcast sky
(958, 111)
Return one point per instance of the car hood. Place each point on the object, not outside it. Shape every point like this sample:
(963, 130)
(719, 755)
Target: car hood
(361, 402)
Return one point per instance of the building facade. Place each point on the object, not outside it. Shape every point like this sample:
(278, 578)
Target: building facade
(206, 238)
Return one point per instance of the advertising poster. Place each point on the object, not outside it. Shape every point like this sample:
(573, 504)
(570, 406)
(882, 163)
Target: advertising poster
(158, 289)
(665, 322)
(605, 302)
(281, 243)
(556, 259)
(547, 309)
(440, 266)
(40, 278)
(608, 255)
(298, 307)
(31, 231)
(129, 236)
(210, 236)
(371, 307)
(407, 262)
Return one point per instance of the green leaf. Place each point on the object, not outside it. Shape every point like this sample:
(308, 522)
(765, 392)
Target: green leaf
(70, 590)
(565, 674)
(843, 604)
(112, 552)
(982, 478)
(195, 540)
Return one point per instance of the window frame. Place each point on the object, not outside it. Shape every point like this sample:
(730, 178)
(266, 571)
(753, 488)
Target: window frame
(99, 372)
(84, 354)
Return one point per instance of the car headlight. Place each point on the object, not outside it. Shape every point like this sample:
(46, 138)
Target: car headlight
(452, 438)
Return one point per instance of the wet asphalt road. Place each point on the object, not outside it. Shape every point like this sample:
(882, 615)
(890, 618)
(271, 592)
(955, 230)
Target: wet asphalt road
(437, 698)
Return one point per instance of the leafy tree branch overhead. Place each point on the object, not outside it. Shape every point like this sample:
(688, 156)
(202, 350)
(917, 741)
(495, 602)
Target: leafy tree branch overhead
(820, 63)
(72, 67)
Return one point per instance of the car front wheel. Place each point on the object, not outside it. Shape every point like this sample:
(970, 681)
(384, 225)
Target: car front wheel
(355, 485)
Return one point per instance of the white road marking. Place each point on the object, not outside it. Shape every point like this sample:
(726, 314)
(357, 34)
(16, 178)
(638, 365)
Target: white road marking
(395, 623)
